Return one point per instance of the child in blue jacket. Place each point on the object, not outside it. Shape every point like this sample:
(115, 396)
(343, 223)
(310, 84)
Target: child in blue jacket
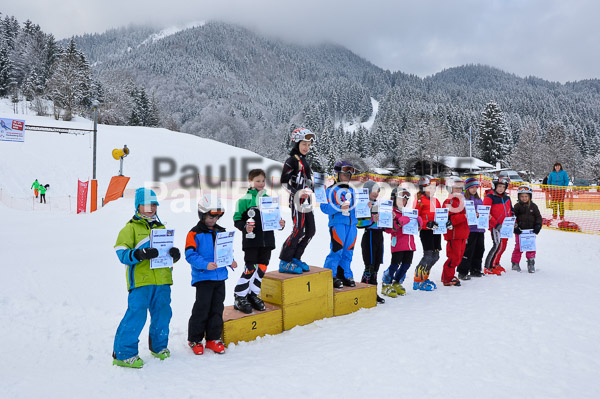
(206, 320)
(342, 225)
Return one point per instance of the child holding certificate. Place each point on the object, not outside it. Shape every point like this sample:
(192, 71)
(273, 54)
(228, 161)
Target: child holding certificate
(342, 225)
(470, 266)
(528, 218)
(458, 230)
(426, 205)
(403, 245)
(372, 240)
(501, 208)
(256, 243)
(208, 278)
(149, 288)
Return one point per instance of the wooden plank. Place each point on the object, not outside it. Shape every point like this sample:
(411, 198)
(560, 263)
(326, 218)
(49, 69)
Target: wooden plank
(286, 289)
(351, 299)
(238, 326)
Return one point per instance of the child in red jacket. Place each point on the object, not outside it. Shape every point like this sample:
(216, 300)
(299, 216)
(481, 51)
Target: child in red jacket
(403, 246)
(458, 230)
(501, 207)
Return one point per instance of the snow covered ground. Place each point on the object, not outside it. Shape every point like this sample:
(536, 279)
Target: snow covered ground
(64, 293)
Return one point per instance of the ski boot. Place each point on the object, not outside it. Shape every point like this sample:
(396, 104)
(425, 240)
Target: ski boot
(337, 283)
(348, 282)
(196, 347)
(303, 266)
(380, 299)
(428, 285)
(493, 270)
(462, 276)
(516, 267)
(162, 355)
(501, 269)
(476, 273)
(388, 290)
(398, 288)
(289, 267)
(133, 362)
(242, 304)
(531, 265)
(216, 346)
(256, 302)
(452, 283)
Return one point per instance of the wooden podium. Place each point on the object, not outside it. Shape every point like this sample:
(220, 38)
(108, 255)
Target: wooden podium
(351, 299)
(303, 298)
(238, 326)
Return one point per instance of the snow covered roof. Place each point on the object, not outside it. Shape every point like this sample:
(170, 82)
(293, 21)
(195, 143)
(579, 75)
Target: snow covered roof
(464, 163)
(380, 171)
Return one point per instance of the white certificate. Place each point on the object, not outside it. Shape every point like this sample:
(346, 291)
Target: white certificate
(441, 218)
(471, 213)
(527, 240)
(224, 248)
(508, 227)
(411, 227)
(483, 221)
(320, 193)
(269, 213)
(386, 214)
(362, 203)
(162, 239)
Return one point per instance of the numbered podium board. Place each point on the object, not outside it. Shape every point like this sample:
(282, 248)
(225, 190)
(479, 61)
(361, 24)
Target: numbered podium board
(303, 298)
(350, 299)
(238, 326)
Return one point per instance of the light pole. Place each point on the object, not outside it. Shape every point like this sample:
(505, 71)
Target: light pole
(94, 186)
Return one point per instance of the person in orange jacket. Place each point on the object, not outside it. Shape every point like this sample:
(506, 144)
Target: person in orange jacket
(458, 230)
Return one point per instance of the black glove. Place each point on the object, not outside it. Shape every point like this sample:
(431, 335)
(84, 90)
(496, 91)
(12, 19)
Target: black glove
(517, 230)
(175, 254)
(145, 253)
(432, 225)
(537, 228)
(449, 225)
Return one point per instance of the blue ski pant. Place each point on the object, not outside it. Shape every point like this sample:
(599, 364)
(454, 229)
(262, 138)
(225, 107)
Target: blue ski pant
(343, 238)
(153, 298)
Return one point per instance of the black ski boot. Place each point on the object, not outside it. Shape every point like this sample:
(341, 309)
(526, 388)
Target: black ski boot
(242, 304)
(256, 302)
(531, 265)
(337, 283)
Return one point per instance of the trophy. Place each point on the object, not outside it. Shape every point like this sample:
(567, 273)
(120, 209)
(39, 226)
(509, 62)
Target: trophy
(347, 202)
(250, 222)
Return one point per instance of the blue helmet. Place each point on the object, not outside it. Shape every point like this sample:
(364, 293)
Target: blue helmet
(145, 196)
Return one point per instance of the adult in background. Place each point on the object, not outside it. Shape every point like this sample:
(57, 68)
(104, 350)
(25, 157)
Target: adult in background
(36, 187)
(560, 180)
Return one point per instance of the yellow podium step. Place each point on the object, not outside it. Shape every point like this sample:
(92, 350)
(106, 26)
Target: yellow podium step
(350, 299)
(303, 298)
(238, 326)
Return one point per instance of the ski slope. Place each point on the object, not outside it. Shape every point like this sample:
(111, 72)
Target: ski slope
(64, 293)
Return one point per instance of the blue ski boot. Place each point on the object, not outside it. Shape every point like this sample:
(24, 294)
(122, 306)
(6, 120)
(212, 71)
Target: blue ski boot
(289, 267)
(303, 266)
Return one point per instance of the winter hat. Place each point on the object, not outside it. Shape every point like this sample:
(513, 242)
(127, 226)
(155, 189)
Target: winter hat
(371, 186)
(471, 182)
(144, 196)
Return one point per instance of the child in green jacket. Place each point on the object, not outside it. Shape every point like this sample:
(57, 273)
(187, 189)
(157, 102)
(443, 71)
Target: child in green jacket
(149, 289)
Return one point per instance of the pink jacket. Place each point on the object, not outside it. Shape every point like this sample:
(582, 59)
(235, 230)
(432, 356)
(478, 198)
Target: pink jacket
(401, 241)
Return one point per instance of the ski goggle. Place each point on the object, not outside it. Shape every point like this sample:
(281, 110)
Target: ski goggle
(303, 135)
(524, 190)
(405, 196)
(215, 213)
(347, 169)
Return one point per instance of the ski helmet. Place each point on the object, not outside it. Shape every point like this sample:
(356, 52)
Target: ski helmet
(210, 205)
(424, 182)
(399, 192)
(454, 181)
(371, 186)
(525, 189)
(500, 180)
(303, 134)
(344, 167)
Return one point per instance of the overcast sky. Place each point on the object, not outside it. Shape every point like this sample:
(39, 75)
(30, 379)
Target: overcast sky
(552, 39)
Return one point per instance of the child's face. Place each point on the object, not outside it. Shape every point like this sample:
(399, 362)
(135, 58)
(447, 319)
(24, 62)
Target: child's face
(258, 182)
(148, 210)
(457, 190)
(473, 190)
(500, 188)
(524, 197)
(373, 195)
(210, 220)
(345, 177)
(305, 147)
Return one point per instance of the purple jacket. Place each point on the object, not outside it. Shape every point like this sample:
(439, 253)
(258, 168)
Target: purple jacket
(473, 228)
